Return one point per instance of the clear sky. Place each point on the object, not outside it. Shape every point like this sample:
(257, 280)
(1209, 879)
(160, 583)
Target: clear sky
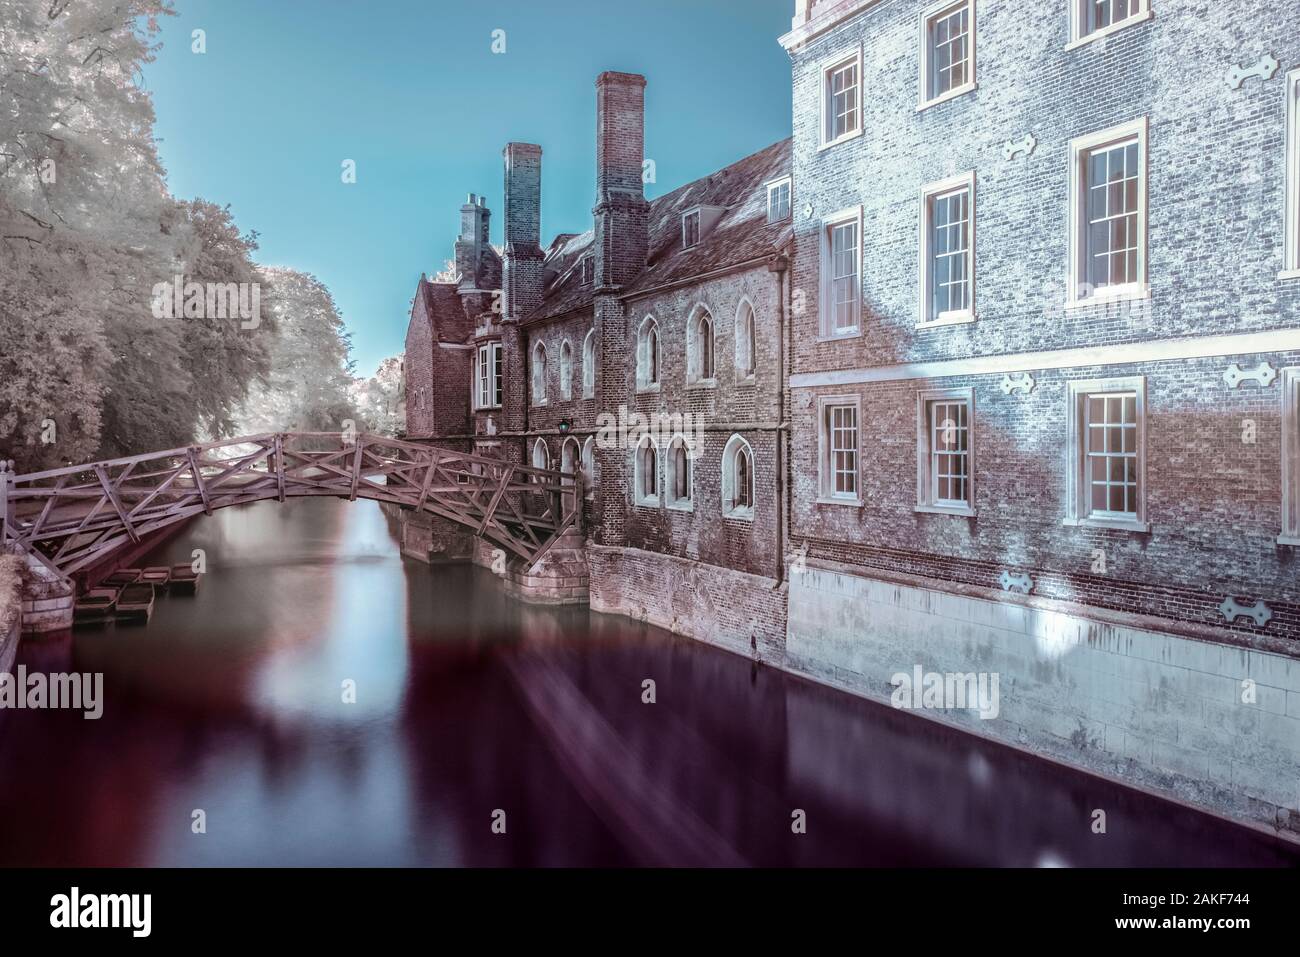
(411, 90)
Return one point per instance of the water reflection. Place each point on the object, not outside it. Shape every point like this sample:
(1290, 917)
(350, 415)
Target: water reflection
(467, 703)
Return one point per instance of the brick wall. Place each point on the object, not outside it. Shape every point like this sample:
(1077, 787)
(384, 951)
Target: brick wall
(1215, 201)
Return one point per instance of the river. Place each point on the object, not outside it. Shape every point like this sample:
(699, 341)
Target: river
(322, 701)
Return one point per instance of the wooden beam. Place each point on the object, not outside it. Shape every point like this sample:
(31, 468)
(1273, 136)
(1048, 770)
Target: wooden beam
(199, 484)
(356, 471)
(279, 464)
(117, 503)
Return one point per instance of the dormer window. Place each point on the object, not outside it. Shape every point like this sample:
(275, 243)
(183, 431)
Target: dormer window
(691, 229)
(587, 269)
(778, 200)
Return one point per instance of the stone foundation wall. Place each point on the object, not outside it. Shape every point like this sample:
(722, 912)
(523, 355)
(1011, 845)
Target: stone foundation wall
(1213, 724)
(47, 600)
(735, 610)
(428, 538)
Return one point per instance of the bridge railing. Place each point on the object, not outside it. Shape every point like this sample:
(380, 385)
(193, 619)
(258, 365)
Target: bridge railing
(76, 514)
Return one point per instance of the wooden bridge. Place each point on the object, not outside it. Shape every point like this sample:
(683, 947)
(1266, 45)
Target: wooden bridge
(72, 518)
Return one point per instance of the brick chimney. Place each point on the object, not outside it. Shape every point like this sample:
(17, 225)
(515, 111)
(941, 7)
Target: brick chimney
(472, 244)
(622, 213)
(522, 274)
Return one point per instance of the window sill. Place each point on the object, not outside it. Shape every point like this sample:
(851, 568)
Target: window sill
(588, 395)
(1116, 524)
(832, 500)
(842, 139)
(962, 511)
(1288, 274)
(647, 503)
(703, 384)
(1121, 294)
(539, 402)
(688, 506)
(947, 319)
(853, 333)
(739, 514)
(945, 97)
(648, 389)
(1132, 21)
(1293, 540)
(748, 381)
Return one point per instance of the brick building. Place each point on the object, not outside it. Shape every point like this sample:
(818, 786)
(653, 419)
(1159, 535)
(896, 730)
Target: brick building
(1035, 249)
(645, 353)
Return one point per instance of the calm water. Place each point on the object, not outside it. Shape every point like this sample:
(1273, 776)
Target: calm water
(468, 703)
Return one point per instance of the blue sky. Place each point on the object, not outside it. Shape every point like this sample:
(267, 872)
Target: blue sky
(411, 90)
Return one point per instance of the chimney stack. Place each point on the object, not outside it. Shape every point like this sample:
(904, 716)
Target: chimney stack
(472, 243)
(522, 273)
(622, 214)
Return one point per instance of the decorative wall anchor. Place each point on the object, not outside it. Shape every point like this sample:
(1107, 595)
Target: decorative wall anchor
(1011, 148)
(808, 211)
(1264, 374)
(1021, 582)
(1020, 382)
(1264, 69)
(1232, 610)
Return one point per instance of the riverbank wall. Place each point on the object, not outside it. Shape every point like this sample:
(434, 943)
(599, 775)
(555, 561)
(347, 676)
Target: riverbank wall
(11, 610)
(1209, 720)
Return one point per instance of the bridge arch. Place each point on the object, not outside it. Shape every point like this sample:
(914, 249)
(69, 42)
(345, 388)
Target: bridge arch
(73, 518)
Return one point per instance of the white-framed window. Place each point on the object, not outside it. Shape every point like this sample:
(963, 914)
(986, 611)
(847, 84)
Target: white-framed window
(1291, 227)
(700, 347)
(589, 365)
(746, 342)
(841, 97)
(541, 455)
(1108, 214)
(947, 51)
(645, 471)
(570, 458)
(1290, 457)
(948, 251)
(587, 269)
(488, 376)
(539, 374)
(840, 464)
(738, 479)
(1093, 19)
(690, 229)
(841, 274)
(566, 370)
(945, 451)
(778, 200)
(589, 467)
(678, 478)
(647, 355)
(1106, 478)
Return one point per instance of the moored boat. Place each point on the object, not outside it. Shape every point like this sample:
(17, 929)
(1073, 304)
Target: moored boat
(157, 575)
(123, 576)
(185, 580)
(135, 603)
(95, 607)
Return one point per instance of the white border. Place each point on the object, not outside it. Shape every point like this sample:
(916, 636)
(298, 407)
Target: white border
(924, 491)
(825, 494)
(1076, 509)
(932, 12)
(953, 184)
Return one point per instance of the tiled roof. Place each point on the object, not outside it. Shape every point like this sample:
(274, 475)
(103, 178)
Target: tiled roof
(442, 300)
(740, 235)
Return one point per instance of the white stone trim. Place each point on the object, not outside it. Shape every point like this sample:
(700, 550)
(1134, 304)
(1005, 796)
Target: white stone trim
(1078, 38)
(1129, 353)
(825, 316)
(1080, 148)
(1291, 225)
(1290, 457)
(953, 184)
(744, 340)
(924, 489)
(1077, 509)
(933, 11)
(826, 494)
(824, 68)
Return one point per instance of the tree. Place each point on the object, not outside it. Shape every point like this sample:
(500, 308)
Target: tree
(380, 400)
(309, 386)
